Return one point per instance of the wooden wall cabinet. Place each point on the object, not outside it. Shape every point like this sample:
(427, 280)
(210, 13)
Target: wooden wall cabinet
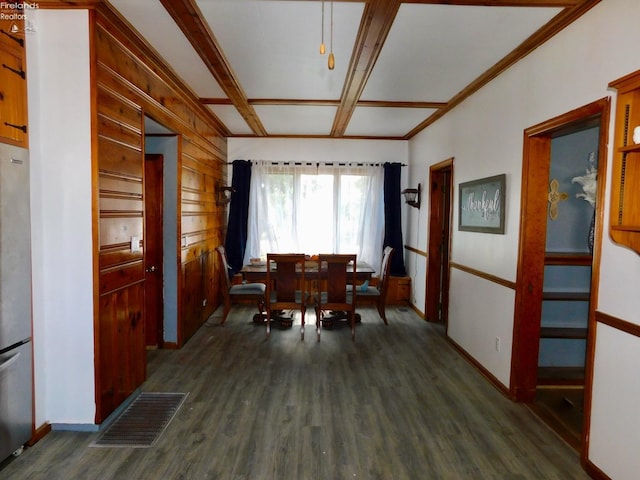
(625, 182)
(399, 290)
(13, 86)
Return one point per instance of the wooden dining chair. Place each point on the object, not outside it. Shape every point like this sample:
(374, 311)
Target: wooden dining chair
(337, 299)
(286, 287)
(233, 293)
(377, 295)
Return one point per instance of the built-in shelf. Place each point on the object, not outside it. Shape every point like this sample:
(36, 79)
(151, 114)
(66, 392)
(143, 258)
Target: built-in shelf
(560, 376)
(563, 332)
(566, 296)
(630, 148)
(626, 228)
(567, 258)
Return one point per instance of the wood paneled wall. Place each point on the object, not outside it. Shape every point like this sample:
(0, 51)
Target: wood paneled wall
(130, 82)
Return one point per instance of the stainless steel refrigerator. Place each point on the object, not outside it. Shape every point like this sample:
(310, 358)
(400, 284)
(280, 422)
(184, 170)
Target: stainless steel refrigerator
(16, 371)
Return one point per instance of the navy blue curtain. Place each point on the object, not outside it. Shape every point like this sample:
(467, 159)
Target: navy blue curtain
(236, 240)
(392, 216)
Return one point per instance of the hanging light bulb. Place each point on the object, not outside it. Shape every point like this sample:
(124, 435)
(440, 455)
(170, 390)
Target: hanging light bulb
(322, 49)
(332, 60)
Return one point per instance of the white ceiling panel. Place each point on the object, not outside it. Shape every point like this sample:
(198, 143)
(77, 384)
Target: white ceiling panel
(386, 121)
(273, 46)
(434, 51)
(296, 120)
(153, 22)
(230, 117)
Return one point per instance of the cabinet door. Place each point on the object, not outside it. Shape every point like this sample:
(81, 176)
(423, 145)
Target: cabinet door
(13, 98)
(122, 347)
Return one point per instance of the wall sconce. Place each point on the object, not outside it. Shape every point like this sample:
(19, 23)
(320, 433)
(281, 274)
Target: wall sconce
(221, 194)
(412, 196)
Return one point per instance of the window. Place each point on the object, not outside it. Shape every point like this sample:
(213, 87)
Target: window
(316, 209)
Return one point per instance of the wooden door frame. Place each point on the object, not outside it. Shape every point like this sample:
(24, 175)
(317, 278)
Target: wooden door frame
(432, 296)
(530, 270)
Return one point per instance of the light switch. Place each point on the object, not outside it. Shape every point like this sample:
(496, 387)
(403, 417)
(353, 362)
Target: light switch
(135, 244)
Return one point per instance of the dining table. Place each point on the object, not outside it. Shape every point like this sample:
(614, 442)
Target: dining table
(256, 271)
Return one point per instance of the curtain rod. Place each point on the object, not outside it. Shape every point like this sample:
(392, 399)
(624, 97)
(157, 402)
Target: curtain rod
(329, 164)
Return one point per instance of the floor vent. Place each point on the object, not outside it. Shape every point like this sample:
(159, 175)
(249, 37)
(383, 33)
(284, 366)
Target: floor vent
(142, 423)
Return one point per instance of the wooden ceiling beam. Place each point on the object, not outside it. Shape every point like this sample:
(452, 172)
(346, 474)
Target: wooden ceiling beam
(326, 103)
(377, 18)
(189, 18)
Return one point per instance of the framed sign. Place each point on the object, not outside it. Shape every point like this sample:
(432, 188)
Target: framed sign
(481, 207)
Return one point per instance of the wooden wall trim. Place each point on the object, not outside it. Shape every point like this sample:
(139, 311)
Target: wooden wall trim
(486, 276)
(594, 472)
(422, 253)
(618, 323)
(39, 433)
(95, 217)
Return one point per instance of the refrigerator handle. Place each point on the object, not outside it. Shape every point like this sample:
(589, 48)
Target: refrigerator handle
(12, 359)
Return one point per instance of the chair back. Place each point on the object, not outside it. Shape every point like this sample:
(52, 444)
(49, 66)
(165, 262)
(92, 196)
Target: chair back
(285, 276)
(383, 282)
(224, 270)
(338, 276)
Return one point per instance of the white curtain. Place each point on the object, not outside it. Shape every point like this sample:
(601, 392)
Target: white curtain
(316, 209)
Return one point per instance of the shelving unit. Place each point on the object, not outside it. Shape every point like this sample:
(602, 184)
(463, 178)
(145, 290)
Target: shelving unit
(563, 331)
(565, 310)
(568, 259)
(625, 208)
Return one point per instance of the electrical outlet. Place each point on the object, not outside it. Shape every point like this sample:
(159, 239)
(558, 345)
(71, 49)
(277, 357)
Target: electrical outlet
(497, 344)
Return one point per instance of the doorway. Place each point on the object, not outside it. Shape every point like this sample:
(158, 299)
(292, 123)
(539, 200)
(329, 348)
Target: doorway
(161, 147)
(437, 283)
(545, 307)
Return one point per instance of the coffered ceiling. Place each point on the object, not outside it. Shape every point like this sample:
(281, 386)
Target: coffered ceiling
(399, 65)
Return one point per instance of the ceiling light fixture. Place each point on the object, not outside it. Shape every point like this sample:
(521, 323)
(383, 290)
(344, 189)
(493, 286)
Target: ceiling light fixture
(322, 49)
(332, 60)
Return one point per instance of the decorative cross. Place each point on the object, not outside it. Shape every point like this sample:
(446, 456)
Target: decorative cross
(554, 197)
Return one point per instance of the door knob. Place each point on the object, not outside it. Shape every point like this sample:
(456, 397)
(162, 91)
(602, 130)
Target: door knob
(152, 268)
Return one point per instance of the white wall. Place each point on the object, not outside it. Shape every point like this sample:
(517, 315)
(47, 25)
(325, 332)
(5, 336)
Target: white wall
(60, 150)
(485, 135)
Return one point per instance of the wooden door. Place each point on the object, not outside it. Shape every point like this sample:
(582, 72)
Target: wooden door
(437, 285)
(153, 251)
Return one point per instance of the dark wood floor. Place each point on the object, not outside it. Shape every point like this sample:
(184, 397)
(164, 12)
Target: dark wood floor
(562, 408)
(399, 403)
